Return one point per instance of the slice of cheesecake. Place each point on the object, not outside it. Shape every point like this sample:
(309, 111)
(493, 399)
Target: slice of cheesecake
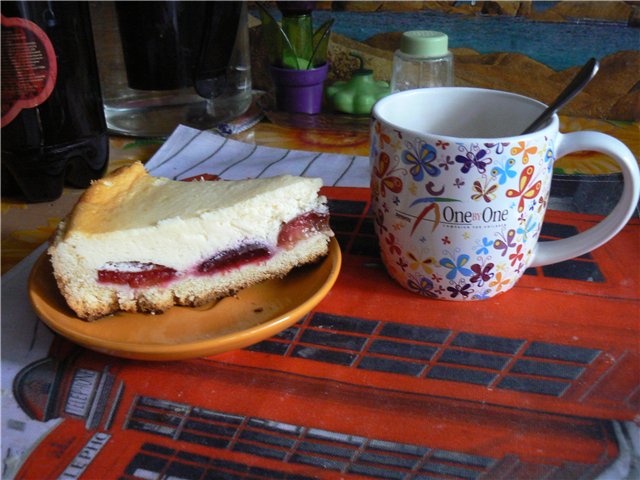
(139, 243)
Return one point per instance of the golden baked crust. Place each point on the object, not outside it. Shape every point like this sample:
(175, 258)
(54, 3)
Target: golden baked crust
(97, 200)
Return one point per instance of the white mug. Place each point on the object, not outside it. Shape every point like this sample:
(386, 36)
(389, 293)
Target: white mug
(460, 195)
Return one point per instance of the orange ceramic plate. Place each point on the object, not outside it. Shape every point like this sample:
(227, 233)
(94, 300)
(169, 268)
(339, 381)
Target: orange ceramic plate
(254, 314)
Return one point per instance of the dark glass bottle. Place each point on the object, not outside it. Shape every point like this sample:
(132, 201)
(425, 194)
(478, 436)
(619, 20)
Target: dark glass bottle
(53, 125)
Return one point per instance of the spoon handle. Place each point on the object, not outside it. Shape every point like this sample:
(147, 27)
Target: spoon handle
(581, 79)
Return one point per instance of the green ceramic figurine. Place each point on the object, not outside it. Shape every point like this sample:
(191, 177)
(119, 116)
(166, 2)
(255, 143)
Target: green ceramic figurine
(358, 95)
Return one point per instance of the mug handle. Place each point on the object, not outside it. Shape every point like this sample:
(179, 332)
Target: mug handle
(577, 245)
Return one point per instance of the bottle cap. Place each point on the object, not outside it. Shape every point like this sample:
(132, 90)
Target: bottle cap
(424, 43)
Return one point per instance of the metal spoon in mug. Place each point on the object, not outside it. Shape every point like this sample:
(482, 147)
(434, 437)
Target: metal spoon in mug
(583, 77)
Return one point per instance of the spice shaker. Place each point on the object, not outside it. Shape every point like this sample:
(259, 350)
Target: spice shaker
(423, 60)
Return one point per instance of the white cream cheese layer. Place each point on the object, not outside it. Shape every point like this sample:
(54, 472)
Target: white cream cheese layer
(179, 225)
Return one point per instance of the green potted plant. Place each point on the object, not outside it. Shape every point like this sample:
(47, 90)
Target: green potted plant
(297, 56)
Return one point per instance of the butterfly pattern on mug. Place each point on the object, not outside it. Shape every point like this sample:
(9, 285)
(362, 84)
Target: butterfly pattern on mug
(524, 149)
(421, 160)
(504, 171)
(457, 266)
(528, 228)
(385, 173)
(486, 199)
(481, 273)
(484, 190)
(527, 189)
(473, 158)
(505, 242)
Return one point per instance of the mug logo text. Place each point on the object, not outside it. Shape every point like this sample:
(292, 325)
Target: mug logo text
(466, 217)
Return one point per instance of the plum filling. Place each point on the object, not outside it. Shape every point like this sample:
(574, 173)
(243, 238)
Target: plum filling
(138, 274)
(235, 258)
(302, 227)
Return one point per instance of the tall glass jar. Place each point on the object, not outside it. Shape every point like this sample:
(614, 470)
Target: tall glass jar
(164, 63)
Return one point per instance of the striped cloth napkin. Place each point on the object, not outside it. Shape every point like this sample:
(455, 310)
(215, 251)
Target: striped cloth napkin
(189, 152)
